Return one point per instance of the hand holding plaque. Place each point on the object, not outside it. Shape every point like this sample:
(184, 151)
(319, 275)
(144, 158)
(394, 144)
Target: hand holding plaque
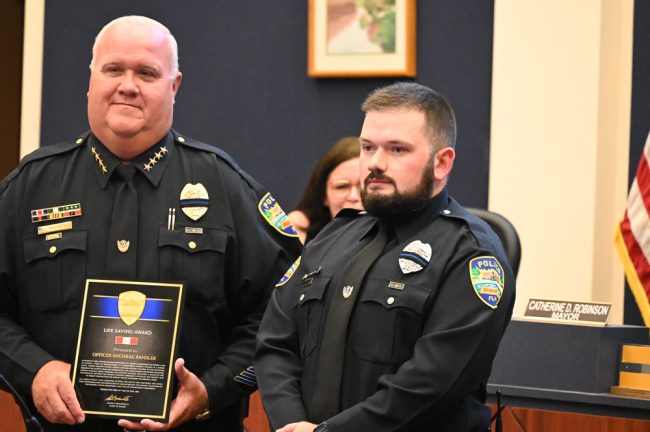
(127, 343)
(190, 403)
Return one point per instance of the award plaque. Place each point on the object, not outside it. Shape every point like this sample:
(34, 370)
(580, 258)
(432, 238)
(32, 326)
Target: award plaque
(128, 337)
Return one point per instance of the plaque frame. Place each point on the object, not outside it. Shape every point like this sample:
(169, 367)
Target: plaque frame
(96, 353)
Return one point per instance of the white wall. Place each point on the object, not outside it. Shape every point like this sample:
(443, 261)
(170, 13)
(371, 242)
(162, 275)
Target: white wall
(30, 116)
(560, 142)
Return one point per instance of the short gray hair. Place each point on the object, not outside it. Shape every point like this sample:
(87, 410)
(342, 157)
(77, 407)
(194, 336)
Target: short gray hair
(141, 20)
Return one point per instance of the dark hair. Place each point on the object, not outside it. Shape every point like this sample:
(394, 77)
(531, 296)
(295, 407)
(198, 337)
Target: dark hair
(313, 198)
(440, 117)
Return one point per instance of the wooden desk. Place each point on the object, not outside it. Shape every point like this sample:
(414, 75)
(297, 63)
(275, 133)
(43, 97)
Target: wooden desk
(538, 410)
(598, 404)
(530, 420)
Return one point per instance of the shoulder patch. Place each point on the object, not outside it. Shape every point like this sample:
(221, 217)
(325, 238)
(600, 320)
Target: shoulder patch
(275, 216)
(488, 280)
(290, 271)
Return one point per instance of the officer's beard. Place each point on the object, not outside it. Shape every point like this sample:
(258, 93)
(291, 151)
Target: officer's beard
(398, 204)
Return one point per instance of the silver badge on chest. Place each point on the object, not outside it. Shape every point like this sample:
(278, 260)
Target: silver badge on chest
(415, 256)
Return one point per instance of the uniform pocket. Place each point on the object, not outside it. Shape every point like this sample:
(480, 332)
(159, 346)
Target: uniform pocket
(395, 317)
(196, 259)
(56, 269)
(308, 310)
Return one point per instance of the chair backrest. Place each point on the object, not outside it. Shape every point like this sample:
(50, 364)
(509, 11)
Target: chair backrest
(506, 232)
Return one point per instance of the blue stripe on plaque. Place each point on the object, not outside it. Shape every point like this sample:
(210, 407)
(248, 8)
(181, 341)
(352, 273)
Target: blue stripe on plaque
(153, 309)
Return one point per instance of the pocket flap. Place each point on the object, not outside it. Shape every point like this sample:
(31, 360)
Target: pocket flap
(213, 239)
(412, 296)
(313, 290)
(37, 247)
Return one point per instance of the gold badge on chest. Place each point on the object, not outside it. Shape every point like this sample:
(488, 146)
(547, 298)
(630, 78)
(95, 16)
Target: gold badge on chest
(194, 201)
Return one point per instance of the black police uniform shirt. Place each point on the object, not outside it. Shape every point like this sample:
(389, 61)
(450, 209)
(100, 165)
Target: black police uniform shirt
(420, 344)
(229, 265)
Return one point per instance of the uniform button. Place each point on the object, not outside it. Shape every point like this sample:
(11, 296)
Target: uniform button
(52, 249)
(445, 211)
(79, 140)
(390, 300)
(192, 245)
(181, 139)
(302, 297)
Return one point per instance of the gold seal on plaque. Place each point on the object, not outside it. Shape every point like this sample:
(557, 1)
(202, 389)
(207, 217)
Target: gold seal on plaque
(130, 305)
(194, 200)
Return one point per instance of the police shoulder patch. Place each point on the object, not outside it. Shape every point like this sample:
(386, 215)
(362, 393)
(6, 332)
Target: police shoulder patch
(488, 280)
(275, 216)
(287, 275)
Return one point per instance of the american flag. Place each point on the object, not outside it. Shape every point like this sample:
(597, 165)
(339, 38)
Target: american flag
(632, 236)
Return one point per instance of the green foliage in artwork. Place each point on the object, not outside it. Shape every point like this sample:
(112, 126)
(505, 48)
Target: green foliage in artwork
(379, 22)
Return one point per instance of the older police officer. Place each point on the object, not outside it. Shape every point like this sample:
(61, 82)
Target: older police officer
(134, 199)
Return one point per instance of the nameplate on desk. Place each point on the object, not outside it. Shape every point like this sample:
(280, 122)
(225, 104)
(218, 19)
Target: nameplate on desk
(567, 312)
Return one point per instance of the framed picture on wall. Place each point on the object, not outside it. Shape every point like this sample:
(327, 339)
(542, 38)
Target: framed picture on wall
(361, 38)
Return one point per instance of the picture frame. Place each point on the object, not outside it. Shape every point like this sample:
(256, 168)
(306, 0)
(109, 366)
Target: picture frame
(361, 38)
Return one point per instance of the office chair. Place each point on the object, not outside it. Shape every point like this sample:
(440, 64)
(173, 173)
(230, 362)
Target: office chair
(31, 422)
(506, 232)
(510, 239)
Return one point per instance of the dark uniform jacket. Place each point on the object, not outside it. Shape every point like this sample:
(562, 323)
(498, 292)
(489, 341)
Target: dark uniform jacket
(229, 267)
(420, 344)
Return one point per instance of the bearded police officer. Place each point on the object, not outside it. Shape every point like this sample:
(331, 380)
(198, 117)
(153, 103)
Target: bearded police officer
(134, 199)
(391, 319)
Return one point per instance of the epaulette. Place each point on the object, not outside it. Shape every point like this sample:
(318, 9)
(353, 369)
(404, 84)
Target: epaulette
(43, 153)
(453, 210)
(189, 142)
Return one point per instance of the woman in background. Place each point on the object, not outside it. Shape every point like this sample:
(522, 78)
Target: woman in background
(333, 185)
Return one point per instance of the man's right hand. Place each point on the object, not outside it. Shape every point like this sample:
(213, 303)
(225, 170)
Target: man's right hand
(54, 395)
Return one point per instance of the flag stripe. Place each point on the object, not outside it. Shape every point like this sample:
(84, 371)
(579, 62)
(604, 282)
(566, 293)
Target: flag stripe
(637, 256)
(636, 219)
(632, 237)
(643, 181)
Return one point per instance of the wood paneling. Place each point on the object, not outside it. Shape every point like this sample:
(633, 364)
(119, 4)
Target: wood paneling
(256, 420)
(11, 420)
(11, 35)
(528, 420)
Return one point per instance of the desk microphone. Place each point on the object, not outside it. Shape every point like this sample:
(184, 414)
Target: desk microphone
(31, 422)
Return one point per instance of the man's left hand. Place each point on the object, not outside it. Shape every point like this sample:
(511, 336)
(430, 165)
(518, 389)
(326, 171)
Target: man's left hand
(298, 427)
(191, 400)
